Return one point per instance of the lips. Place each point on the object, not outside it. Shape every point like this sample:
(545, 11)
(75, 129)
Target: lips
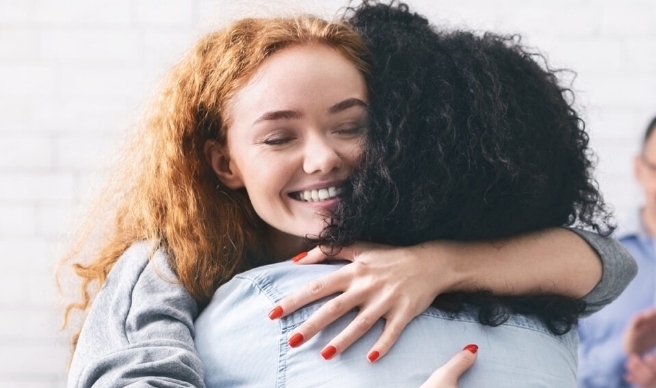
(318, 195)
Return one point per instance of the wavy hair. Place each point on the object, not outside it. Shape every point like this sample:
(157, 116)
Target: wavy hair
(165, 191)
(471, 139)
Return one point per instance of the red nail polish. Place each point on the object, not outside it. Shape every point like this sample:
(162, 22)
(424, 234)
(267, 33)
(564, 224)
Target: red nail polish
(299, 256)
(296, 340)
(373, 356)
(328, 352)
(275, 313)
(472, 348)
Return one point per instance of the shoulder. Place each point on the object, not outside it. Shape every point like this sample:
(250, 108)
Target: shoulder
(141, 304)
(280, 279)
(140, 280)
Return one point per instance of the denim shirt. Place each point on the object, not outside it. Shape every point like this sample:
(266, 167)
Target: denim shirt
(140, 332)
(240, 347)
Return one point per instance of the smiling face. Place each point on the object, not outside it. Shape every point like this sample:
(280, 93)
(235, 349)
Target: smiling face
(294, 133)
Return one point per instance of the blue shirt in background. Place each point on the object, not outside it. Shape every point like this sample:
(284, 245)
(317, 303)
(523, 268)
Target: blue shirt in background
(601, 355)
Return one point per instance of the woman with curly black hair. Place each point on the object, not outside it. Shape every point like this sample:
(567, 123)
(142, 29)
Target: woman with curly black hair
(473, 140)
(470, 139)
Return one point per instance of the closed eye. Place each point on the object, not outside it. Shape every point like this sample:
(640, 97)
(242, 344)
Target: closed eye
(273, 141)
(352, 130)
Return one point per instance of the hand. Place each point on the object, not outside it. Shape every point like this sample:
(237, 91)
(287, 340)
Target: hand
(640, 334)
(641, 371)
(382, 281)
(447, 376)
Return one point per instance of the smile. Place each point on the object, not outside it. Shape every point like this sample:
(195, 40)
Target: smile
(318, 195)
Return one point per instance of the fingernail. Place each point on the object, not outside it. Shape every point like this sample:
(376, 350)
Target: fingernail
(295, 340)
(472, 348)
(373, 356)
(328, 352)
(275, 313)
(299, 256)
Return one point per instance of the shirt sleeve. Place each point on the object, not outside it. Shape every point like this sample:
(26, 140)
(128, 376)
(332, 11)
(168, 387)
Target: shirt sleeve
(618, 269)
(139, 331)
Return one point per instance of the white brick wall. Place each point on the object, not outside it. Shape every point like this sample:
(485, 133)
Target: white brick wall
(73, 74)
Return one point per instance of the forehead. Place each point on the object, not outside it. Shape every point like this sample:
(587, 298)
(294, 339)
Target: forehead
(300, 74)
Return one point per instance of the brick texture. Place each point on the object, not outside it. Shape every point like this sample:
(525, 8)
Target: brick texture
(75, 73)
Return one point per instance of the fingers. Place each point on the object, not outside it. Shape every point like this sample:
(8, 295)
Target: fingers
(636, 371)
(313, 256)
(393, 328)
(362, 323)
(328, 313)
(319, 288)
(640, 334)
(447, 375)
(362, 283)
(641, 371)
(320, 254)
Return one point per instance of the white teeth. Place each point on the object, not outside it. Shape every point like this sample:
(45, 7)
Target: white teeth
(320, 195)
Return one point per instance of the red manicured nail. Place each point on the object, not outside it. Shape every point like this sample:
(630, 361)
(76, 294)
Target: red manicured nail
(295, 340)
(275, 313)
(472, 348)
(299, 256)
(373, 356)
(328, 352)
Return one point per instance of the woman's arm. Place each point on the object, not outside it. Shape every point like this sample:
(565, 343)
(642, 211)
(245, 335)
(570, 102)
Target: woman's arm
(568, 262)
(560, 261)
(398, 283)
(139, 329)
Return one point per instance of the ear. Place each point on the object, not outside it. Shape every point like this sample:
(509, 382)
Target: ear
(218, 157)
(638, 168)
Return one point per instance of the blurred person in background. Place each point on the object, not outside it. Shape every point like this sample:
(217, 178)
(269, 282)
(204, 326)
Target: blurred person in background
(602, 360)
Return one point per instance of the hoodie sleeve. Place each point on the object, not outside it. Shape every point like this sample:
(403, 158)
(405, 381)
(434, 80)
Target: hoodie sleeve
(618, 267)
(139, 331)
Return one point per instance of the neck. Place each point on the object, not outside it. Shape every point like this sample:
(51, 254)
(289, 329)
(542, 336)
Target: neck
(649, 220)
(285, 246)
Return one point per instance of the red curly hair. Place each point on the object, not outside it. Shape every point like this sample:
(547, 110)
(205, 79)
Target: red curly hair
(163, 189)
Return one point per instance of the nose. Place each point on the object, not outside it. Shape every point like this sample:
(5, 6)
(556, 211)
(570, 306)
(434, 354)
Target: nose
(321, 155)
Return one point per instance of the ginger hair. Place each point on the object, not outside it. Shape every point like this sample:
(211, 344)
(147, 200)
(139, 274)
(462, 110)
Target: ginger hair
(163, 189)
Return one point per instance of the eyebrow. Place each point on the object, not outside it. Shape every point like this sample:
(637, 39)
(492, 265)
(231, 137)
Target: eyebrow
(348, 103)
(279, 115)
(292, 114)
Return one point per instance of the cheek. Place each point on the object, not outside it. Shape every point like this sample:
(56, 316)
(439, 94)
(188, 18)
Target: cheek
(267, 178)
(353, 153)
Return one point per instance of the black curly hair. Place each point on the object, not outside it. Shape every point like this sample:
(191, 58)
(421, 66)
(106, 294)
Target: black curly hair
(470, 139)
